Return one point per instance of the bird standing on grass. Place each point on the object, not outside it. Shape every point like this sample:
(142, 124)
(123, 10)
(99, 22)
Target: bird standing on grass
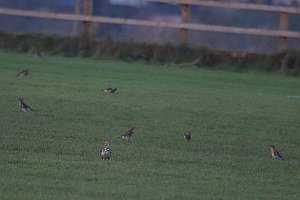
(23, 106)
(24, 72)
(127, 134)
(275, 154)
(187, 136)
(105, 150)
(38, 54)
(110, 90)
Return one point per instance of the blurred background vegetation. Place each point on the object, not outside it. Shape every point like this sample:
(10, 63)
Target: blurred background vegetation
(287, 62)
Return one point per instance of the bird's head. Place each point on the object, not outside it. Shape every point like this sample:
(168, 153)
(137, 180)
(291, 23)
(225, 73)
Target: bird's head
(272, 147)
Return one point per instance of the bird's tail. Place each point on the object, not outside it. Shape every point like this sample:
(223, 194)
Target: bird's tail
(278, 158)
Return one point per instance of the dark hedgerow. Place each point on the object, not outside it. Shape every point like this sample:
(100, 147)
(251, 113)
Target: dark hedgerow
(290, 64)
(166, 54)
(143, 52)
(106, 47)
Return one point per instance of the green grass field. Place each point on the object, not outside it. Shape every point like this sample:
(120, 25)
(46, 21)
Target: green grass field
(53, 153)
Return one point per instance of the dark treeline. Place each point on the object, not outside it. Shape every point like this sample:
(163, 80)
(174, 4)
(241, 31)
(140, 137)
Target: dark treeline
(287, 62)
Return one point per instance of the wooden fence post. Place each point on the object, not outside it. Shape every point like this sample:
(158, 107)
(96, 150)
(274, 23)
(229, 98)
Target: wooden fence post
(77, 9)
(185, 15)
(87, 10)
(283, 26)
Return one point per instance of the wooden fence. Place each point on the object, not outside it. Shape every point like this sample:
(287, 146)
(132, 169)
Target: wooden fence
(282, 10)
(87, 18)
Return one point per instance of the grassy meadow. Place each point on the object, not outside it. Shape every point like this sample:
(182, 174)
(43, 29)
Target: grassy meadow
(53, 153)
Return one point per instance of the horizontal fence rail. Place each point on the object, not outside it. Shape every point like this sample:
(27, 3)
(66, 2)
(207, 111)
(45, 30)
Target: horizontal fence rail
(240, 6)
(149, 23)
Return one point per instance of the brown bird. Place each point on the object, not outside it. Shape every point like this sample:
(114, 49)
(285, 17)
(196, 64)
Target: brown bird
(187, 136)
(23, 106)
(127, 134)
(24, 72)
(274, 153)
(105, 153)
